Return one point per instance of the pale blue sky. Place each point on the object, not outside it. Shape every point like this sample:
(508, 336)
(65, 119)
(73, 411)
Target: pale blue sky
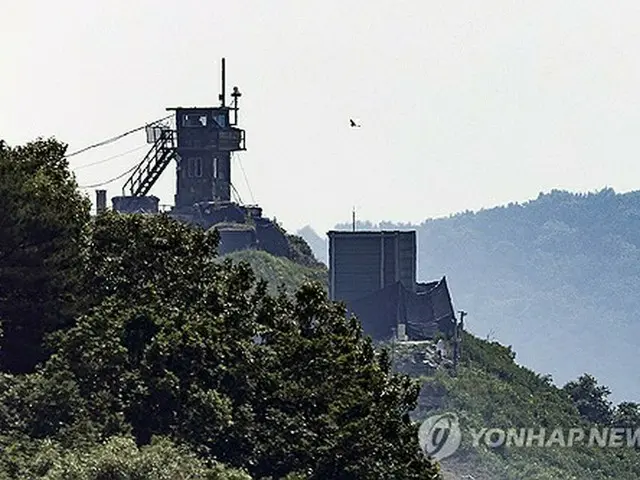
(463, 105)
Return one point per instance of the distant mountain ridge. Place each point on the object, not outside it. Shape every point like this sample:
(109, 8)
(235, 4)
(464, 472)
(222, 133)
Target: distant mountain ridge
(557, 277)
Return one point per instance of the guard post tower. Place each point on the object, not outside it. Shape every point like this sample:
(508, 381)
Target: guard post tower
(200, 140)
(205, 138)
(201, 144)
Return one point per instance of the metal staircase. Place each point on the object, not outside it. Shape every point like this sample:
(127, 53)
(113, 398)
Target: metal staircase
(152, 165)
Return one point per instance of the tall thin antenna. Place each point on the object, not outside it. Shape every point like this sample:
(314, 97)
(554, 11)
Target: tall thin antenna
(353, 218)
(222, 96)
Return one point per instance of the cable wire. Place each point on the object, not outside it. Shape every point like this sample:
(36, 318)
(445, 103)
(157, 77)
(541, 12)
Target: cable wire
(244, 174)
(112, 180)
(110, 158)
(117, 137)
(237, 193)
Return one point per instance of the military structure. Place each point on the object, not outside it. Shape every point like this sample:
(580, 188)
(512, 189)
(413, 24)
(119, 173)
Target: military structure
(364, 262)
(199, 143)
(374, 274)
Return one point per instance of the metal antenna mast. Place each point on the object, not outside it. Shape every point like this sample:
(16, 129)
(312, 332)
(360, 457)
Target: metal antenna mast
(222, 95)
(353, 218)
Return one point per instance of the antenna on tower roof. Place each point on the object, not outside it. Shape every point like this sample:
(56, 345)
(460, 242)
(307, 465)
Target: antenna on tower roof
(222, 95)
(353, 218)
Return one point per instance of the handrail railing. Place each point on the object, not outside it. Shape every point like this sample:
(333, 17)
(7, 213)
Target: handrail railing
(152, 165)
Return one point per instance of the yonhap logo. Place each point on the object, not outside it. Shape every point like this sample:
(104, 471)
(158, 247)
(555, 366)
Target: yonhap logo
(440, 435)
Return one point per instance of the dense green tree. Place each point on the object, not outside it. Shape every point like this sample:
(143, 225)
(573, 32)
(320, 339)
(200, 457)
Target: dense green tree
(627, 415)
(179, 344)
(120, 459)
(152, 335)
(591, 399)
(42, 224)
(300, 252)
(117, 458)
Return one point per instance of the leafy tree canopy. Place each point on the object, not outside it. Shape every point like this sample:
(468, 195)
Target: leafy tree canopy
(42, 223)
(271, 383)
(151, 335)
(591, 399)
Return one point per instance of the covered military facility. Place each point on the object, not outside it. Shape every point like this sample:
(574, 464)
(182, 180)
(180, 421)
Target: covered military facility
(374, 274)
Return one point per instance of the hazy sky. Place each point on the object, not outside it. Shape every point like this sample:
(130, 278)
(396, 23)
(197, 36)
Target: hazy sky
(463, 105)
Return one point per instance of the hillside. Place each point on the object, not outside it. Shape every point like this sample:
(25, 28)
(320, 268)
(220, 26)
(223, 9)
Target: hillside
(557, 277)
(491, 391)
(279, 271)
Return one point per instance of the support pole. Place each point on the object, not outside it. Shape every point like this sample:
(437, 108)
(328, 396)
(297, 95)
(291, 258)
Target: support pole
(393, 350)
(459, 333)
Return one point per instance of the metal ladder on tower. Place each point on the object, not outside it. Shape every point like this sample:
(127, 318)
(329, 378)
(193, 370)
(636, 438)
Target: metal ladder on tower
(152, 165)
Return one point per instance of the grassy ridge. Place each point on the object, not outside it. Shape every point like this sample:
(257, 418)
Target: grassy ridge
(278, 271)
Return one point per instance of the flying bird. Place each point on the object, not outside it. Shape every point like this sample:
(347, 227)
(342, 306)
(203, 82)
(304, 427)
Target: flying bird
(353, 123)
